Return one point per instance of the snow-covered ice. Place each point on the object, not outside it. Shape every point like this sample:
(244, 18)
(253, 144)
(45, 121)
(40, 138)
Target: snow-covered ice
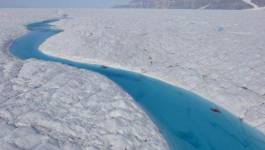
(49, 106)
(192, 4)
(219, 55)
(255, 6)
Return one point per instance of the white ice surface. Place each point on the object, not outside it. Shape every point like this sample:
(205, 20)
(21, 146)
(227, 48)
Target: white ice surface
(48, 106)
(219, 55)
(251, 3)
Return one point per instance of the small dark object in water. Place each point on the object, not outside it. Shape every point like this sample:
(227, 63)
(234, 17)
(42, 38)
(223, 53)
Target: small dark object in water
(215, 110)
(241, 119)
(103, 66)
(243, 87)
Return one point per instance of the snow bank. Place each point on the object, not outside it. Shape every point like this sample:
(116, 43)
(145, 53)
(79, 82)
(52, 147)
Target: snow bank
(217, 54)
(51, 106)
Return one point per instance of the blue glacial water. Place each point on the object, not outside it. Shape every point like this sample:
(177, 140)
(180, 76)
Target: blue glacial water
(187, 121)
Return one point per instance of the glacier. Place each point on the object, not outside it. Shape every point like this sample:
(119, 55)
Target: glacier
(217, 54)
(45, 105)
(214, 53)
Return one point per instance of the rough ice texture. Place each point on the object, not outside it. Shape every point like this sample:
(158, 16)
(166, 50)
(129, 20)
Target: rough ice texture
(219, 55)
(49, 106)
(191, 4)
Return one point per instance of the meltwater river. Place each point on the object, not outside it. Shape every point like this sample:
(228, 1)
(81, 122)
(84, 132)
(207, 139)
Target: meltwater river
(187, 121)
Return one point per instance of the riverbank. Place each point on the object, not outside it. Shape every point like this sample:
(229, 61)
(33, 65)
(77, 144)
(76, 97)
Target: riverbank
(45, 105)
(216, 54)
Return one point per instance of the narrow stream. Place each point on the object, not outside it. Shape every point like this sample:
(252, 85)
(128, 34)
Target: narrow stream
(187, 121)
